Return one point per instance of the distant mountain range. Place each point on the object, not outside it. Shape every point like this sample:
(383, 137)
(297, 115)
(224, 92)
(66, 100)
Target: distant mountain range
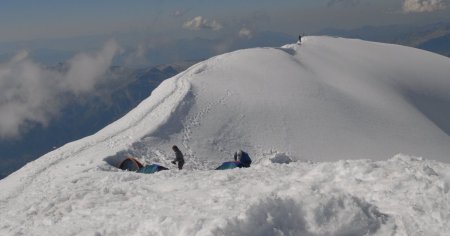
(53, 51)
(432, 37)
(83, 116)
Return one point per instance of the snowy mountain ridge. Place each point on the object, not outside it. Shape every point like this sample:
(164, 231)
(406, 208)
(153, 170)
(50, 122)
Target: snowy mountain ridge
(327, 100)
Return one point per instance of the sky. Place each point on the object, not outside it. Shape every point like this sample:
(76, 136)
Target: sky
(90, 36)
(47, 19)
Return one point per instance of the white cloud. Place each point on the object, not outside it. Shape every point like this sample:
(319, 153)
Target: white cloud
(137, 58)
(31, 94)
(410, 6)
(86, 69)
(245, 33)
(199, 22)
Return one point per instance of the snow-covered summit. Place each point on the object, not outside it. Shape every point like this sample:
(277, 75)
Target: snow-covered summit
(328, 99)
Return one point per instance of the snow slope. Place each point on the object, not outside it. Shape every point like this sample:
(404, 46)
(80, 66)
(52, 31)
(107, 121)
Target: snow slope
(329, 100)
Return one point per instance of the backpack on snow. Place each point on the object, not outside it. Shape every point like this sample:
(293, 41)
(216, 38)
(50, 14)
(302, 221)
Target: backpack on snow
(243, 158)
(150, 169)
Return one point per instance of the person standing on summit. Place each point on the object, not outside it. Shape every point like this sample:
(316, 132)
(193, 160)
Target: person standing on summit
(178, 157)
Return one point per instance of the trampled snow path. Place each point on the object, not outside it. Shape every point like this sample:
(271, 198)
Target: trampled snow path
(326, 100)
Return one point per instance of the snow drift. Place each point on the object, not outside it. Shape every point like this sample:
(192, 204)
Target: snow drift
(328, 99)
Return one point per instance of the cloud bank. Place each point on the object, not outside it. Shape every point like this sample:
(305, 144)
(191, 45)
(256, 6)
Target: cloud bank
(411, 6)
(198, 23)
(32, 94)
(345, 3)
(138, 57)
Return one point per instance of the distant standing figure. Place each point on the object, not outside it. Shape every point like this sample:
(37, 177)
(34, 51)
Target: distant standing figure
(299, 39)
(178, 157)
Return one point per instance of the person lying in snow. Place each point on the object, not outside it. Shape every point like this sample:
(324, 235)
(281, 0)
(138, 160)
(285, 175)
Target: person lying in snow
(178, 157)
(241, 159)
(132, 164)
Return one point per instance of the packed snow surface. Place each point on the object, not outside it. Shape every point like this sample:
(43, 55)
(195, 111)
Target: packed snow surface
(320, 120)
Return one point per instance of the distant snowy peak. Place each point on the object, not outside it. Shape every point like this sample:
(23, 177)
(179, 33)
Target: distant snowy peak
(328, 98)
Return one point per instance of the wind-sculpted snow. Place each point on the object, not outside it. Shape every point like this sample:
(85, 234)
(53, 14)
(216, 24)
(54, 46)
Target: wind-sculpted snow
(320, 121)
(400, 196)
(326, 215)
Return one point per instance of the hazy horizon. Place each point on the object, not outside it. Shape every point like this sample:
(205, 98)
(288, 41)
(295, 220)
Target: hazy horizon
(147, 22)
